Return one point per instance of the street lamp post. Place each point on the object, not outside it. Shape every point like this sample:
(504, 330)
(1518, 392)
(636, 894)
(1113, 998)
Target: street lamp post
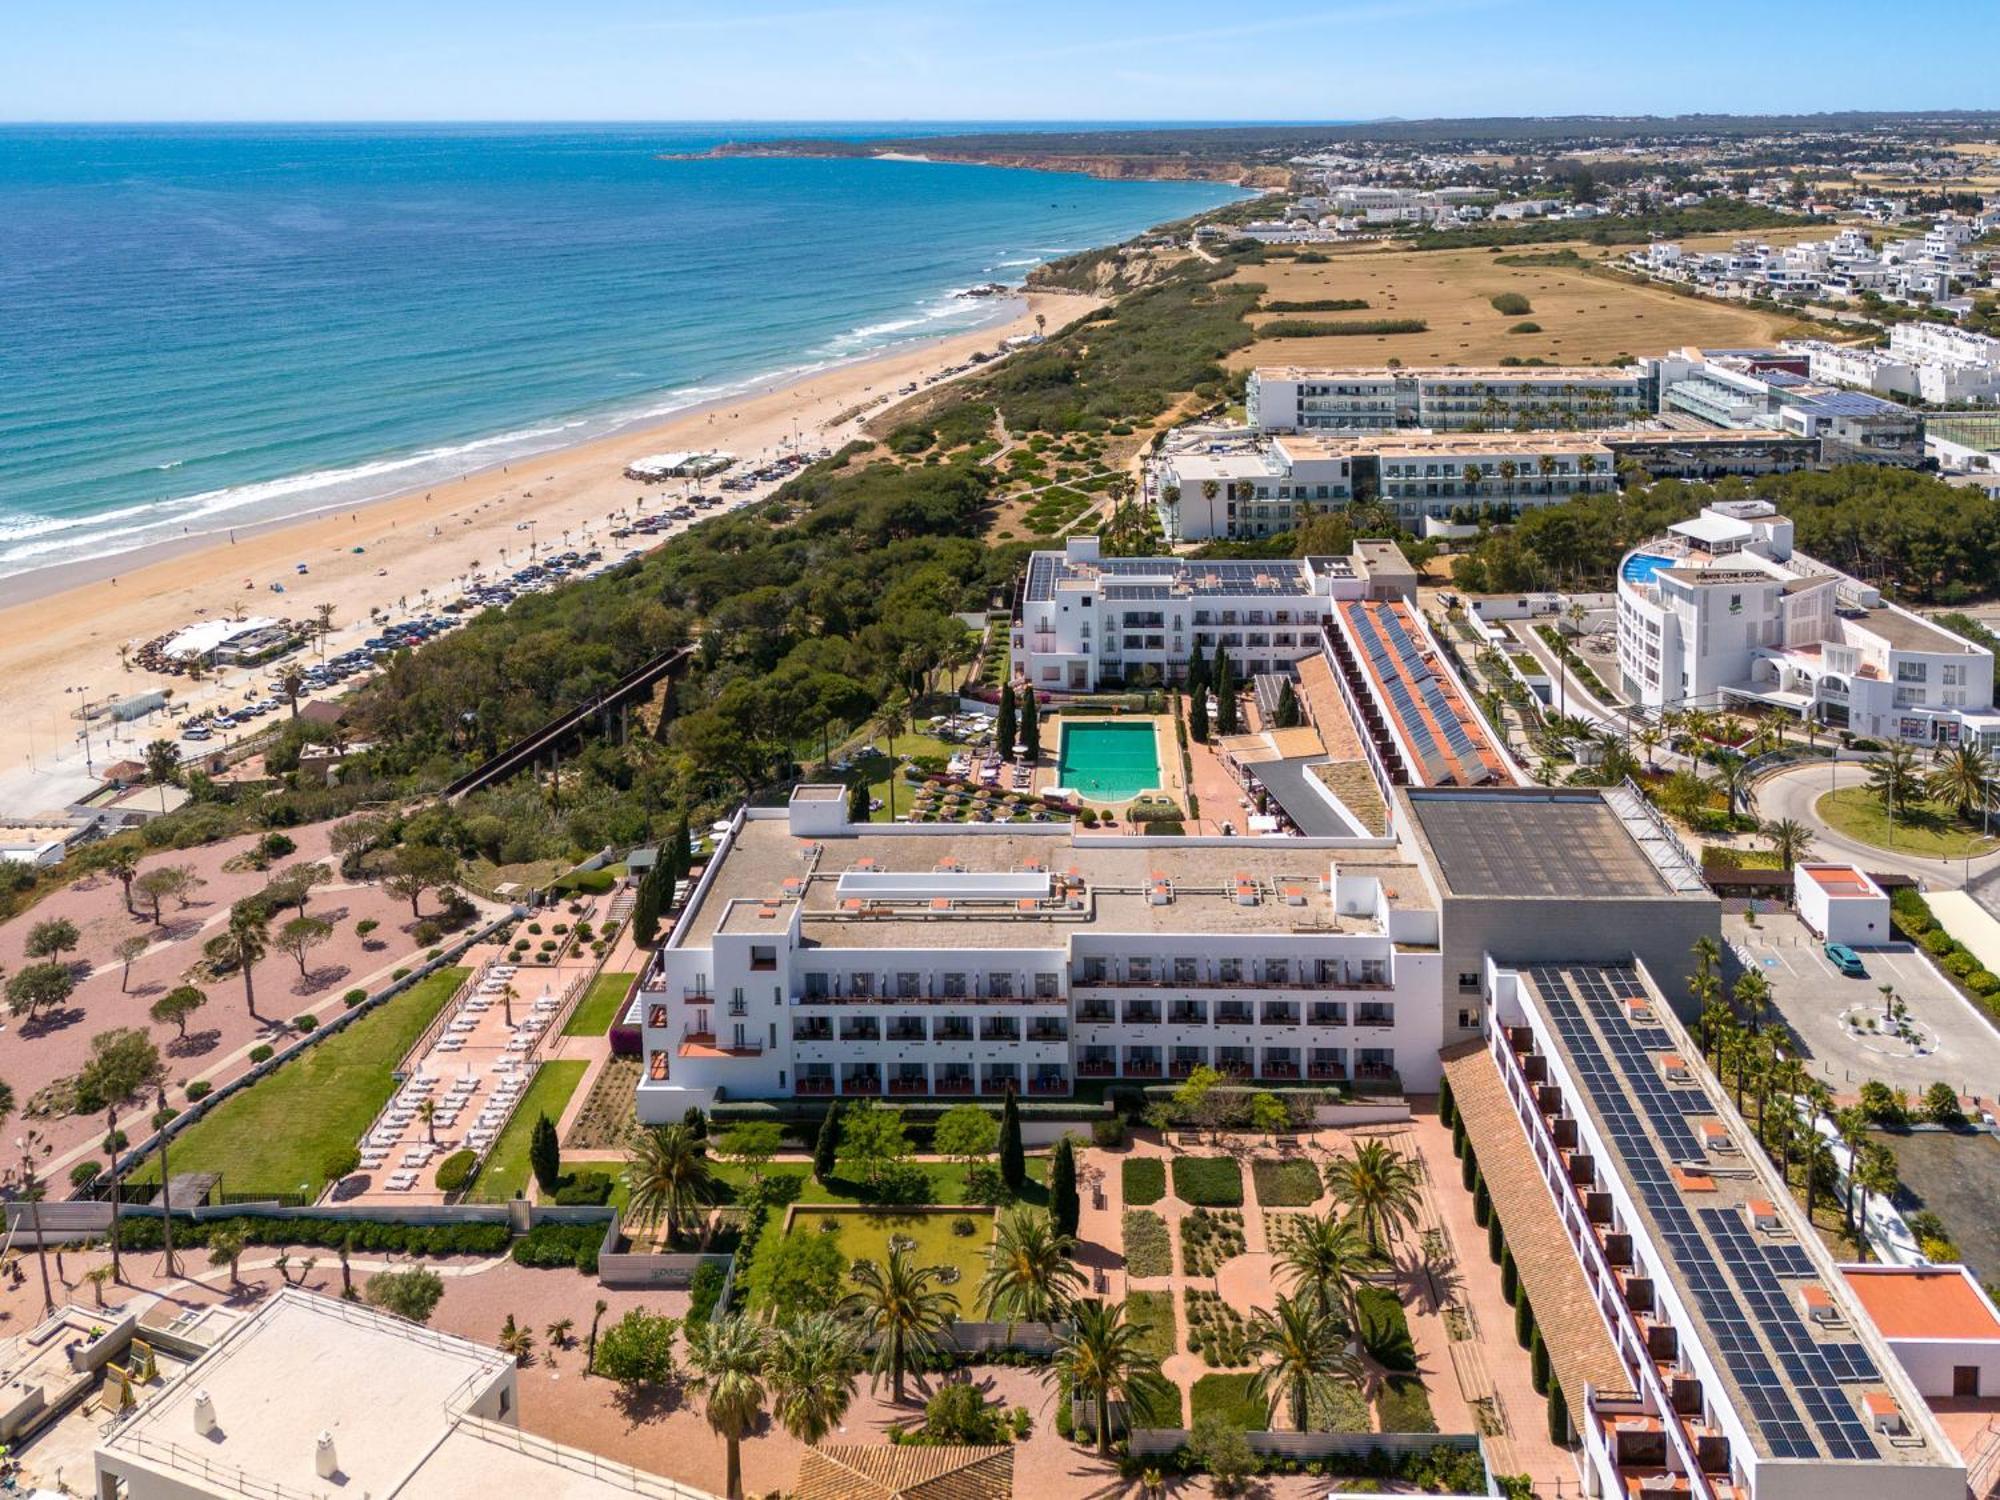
(82, 690)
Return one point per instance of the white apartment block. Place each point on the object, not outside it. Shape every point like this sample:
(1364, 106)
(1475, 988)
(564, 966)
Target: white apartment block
(1083, 619)
(1345, 399)
(1722, 608)
(1916, 368)
(1741, 1364)
(1242, 488)
(1419, 474)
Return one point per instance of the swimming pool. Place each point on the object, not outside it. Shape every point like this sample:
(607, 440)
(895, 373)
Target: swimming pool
(1641, 566)
(1105, 761)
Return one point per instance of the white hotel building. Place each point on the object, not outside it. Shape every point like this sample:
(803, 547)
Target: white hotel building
(1291, 398)
(1722, 608)
(818, 959)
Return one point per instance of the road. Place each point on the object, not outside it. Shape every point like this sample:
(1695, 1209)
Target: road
(1794, 793)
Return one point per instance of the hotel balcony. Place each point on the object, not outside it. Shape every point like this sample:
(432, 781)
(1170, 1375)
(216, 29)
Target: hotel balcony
(704, 1044)
(999, 1031)
(951, 1031)
(1321, 1072)
(1142, 1067)
(812, 1031)
(808, 1088)
(1373, 1015)
(1235, 1013)
(1183, 1067)
(1048, 1031)
(1096, 1010)
(953, 1083)
(861, 1083)
(1049, 1084)
(1142, 1013)
(1000, 1083)
(1283, 1014)
(906, 1031)
(1279, 1068)
(1187, 1013)
(860, 1031)
(905, 1086)
(1327, 1015)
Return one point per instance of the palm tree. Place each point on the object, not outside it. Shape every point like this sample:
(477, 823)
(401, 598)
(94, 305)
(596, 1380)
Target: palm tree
(1789, 839)
(225, 1248)
(517, 1341)
(812, 1364)
(1379, 1186)
(1327, 1256)
(903, 1306)
(597, 1313)
(1029, 1275)
(1307, 1352)
(560, 1333)
(1102, 1354)
(1892, 776)
(1852, 1126)
(241, 945)
(893, 718)
(726, 1361)
(123, 863)
(1964, 778)
(1648, 736)
(1737, 784)
(291, 687)
(427, 1112)
(666, 1176)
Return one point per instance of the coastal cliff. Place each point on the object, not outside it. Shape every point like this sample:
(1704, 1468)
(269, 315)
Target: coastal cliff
(1110, 165)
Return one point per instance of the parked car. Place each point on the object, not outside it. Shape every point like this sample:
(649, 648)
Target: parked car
(1846, 960)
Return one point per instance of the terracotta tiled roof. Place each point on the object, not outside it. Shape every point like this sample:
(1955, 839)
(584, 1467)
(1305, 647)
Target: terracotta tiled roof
(1579, 1345)
(856, 1471)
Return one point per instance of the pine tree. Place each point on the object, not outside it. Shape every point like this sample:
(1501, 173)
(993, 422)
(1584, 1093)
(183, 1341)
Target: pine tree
(1004, 726)
(1065, 1208)
(1198, 716)
(1031, 726)
(827, 1144)
(1013, 1160)
(545, 1156)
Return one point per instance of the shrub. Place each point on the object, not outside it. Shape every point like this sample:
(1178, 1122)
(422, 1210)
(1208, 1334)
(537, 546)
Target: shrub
(957, 1412)
(1144, 1179)
(84, 1172)
(1404, 1407)
(369, 1236)
(1983, 983)
(201, 1088)
(1109, 1134)
(399, 974)
(304, 1022)
(456, 1170)
(1148, 1251)
(1285, 1184)
(261, 1052)
(340, 1163)
(1511, 304)
(963, 1227)
(1959, 963)
(549, 1247)
(1526, 328)
(353, 998)
(704, 1291)
(586, 1190)
(1208, 1181)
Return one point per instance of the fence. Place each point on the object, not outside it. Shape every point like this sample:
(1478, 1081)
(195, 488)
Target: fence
(199, 1109)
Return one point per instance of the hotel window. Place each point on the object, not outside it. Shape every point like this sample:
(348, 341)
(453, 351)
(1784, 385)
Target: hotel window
(656, 1016)
(1139, 970)
(1186, 971)
(1229, 970)
(1047, 986)
(909, 986)
(954, 986)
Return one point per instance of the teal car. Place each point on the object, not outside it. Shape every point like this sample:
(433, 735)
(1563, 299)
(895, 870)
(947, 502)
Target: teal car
(1846, 960)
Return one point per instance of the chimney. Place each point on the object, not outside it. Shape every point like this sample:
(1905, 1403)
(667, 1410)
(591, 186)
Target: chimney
(204, 1414)
(324, 1462)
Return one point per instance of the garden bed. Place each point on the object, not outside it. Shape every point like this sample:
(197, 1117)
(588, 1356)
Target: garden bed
(1144, 1179)
(1208, 1181)
(1286, 1184)
(1148, 1250)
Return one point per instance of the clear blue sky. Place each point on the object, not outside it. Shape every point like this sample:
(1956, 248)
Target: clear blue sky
(981, 59)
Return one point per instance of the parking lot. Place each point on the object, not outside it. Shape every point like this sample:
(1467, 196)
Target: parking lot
(1952, 1041)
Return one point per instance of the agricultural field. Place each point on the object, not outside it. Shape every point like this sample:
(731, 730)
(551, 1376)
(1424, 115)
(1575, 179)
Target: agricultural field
(1583, 319)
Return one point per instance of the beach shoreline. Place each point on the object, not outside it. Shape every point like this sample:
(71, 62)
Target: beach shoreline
(62, 627)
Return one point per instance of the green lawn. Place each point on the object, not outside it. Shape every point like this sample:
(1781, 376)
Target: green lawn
(1229, 1395)
(864, 1234)
(599, 1006)
(1286, 1184)
(1923, 828)
(275, 1135)
(506, 1170)
(1153, 1311)
(1145, 1180)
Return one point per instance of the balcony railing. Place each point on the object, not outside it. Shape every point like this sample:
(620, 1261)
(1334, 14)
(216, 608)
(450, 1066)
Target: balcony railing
(861, 1084)
(1187, 1015)
(1235, 1015)
(860, 1034)
(734, 1046)
(1182, 1067)
(952, 1086)
(1318, 1017)
(815, 1086)
(1138, 1069)
(1048, 1085)
(1326, 1072)
(1373, 1018)
(1096, 1067)
(908, 1086)
(1048, 1033)
(998, 1086)
(907, 1033)
(953, 1034)
(999, 1034)
(1281, 1070)
(804, 1033)
(1096, 1013)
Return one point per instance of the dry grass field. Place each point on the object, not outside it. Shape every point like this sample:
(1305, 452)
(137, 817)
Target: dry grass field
(1583, 319)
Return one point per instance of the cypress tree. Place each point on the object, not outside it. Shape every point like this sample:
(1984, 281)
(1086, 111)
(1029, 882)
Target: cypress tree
(1496, 1237)
(1003, 726)
(1013, 1160)
(1482, 1205)
(827, 1143)
(1538, 1364)
(684, 844)
(1288, 708)
(1198, 716)
(1065, 1208)
(545, 1156)
(857, 802)
(1447, 1110)
(646, 906)
(1510, 1278)
(1219, 666)
(1225, 695)
(1524, 1321)
(1031, 726)
(1469, 1170)
(1558, 1415)
(1459, 1139)
(1197, 672)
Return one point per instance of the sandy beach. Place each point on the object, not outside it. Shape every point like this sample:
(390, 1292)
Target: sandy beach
(61, 629)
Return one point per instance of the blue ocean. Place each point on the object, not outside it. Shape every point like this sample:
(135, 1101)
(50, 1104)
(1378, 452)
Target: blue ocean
(202, 326)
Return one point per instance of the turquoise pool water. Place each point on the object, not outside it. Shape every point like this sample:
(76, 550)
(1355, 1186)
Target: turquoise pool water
(1109, 762)
(1641, 566)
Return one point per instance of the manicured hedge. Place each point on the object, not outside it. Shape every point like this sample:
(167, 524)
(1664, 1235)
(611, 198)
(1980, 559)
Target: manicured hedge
(1208, 1181)
(456, 1170)
(1144, 1179)
(1148, 1251)
(371, 1236)
(705, 1291)
(553, 1246)
(1286, 1184)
